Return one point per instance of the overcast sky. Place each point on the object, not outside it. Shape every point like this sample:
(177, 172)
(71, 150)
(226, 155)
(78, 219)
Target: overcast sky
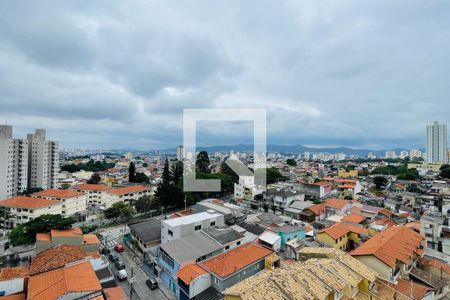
(117, 74)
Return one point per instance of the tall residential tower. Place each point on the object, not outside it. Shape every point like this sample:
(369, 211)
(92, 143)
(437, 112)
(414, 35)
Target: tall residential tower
(437, 143)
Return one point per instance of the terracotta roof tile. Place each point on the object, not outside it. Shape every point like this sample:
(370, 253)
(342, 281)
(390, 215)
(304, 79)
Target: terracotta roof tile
(395, 243)
(128, 190)
(51, 285)
(43, 236)
(55, 258)
(190, 272)
(115, 293)
(236, 259)
(410, 288)
(66, 232)
(20, 296)
(340, 229)
(55, 193)
(28, 202)
(318, 209)
(90, 239)
(11, 273)
(435, 264)
(354, 218)
(336, 203)
(92, 187)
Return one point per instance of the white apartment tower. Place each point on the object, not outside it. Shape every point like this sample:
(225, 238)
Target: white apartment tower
(43, 161)
(180, 153)
(13, 163)
(437, 143)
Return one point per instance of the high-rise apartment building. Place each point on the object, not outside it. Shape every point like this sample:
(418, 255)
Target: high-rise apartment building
(24, 163)
(415, 153)
(13, 163)
(390, 154)
(43, 161)
(437, 143)
(180, 153)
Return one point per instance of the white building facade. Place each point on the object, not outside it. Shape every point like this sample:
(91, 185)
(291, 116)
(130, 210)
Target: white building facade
(437, 143)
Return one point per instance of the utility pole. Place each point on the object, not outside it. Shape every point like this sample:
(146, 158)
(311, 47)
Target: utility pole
(131, 282)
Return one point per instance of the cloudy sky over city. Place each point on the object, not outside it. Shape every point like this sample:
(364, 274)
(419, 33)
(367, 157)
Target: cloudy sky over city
(118, 74)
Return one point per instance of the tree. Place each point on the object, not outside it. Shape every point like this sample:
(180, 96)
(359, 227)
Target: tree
(119, 210)
(445, 172)
(202, 163)
(30, 191)
(95, 179)
(143, 204)
(291, 162)
(379, 181)
(131, 172)
(26, 233)
(177, 172)
(65, 186)
(225, 169)
(141, 178)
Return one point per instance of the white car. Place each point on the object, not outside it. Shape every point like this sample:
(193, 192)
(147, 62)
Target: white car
(121, 275)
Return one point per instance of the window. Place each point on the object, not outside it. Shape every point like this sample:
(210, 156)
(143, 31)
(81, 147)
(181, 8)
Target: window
(170, 232)
(198, 227)
(238, 243)
(212, 224)
(227, 247)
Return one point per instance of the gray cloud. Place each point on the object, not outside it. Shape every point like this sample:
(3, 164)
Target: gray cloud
(119, 74)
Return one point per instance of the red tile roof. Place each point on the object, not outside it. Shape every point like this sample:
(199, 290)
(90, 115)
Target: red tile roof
(190, 272)
(322, 183)
(20, 296)
(90, 239)
(128, 190)
(66, 232)
(318, 209)
(386, 221)
(12, 273)
(236, 259)
(54, 193)
(340, 229)
(410, 288)
(395, 243)
(92, 187)
(336, 203)
(354, 218)
(115, 293)
(434, 263)
(43, 236)
(72, 279)
(28, 202)
(55, 258)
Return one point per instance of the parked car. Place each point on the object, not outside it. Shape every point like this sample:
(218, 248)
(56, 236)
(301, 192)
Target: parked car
(120, 265)
(113, 257)
(121, 275)
(152, 283)
(105, 251)
(119, 248)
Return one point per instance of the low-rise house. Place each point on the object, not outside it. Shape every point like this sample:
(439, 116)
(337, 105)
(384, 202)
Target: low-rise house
(19, 210)
(296, 208)
(380, 225)
(70, 236)
(335, 206)
(193, 280)
(73, 281)
(289, 233)
(324, 274)
(432, 226)
(391, 252)
(176, 228)
(270, 240)
(342, 236)
(235, 265)
(280, 199)
(225, 236)
(354, 218)
(127, 194)
(13, 280)
(146, 235)
(173, 255)
(72, 202)
(313, 213)
(232, 213)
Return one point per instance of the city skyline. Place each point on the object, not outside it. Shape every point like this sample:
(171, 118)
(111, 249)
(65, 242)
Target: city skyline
(355, 74)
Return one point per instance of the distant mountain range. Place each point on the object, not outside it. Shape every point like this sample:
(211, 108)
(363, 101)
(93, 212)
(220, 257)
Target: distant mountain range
(294, 149)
